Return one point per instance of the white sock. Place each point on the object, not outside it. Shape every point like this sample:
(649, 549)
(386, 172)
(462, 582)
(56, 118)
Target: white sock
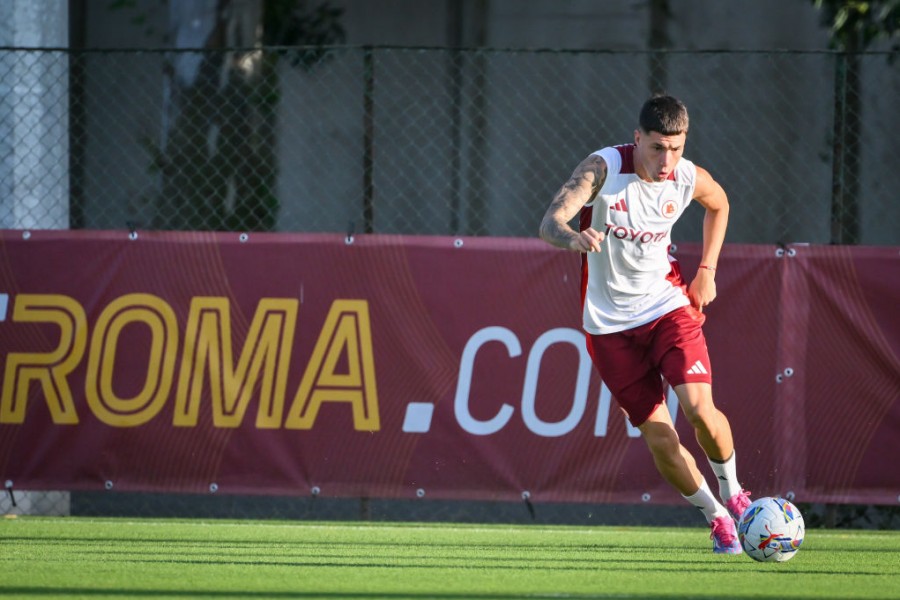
(707, 503)
(726, 473)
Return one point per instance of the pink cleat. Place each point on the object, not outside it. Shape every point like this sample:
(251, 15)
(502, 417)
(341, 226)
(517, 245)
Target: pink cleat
(724, 536)
(738, 503)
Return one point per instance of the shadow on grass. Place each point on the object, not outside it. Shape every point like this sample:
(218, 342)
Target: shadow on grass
(38, 592)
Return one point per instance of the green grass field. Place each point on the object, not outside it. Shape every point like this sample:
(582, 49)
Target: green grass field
(113, 558)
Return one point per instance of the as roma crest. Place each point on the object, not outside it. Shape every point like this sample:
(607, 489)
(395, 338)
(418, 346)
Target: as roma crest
(670, 209)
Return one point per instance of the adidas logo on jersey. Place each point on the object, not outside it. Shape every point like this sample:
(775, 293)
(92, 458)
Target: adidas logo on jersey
(620, 205)
(697, 369)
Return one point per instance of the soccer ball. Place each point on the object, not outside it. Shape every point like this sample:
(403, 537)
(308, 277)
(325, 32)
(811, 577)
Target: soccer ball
(771, 529)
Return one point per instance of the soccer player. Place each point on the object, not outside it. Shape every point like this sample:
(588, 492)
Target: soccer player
(642, 322)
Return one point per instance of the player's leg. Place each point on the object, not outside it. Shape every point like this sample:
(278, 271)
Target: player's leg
(672, 460)
(713, 433)
(711, 427)
(678, 467)
(684, 361)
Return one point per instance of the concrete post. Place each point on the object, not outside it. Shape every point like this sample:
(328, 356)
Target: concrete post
(34, 152)
(34, 121)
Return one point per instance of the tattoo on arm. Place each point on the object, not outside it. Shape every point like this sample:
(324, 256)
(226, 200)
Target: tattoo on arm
(581, 188)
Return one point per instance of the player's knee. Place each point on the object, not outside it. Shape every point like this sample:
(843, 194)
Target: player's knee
(703, 415)
(662, 440)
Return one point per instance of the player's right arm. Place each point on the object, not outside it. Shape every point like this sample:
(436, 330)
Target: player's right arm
(581, 188)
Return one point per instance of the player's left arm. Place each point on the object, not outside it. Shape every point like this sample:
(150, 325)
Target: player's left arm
(712, 197)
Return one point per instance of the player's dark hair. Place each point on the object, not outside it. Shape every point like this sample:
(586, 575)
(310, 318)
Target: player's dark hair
(664, 114)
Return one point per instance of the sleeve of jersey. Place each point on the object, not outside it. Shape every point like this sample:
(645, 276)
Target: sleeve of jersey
(688, 171)
(613, 161)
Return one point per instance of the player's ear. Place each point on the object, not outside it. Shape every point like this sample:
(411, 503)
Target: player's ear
(637, 136)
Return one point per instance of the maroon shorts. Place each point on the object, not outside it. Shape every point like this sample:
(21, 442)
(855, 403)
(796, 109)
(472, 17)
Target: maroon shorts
(633, 362)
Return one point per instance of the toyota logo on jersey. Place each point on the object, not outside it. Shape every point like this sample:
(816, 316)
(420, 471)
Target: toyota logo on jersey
(635, 235)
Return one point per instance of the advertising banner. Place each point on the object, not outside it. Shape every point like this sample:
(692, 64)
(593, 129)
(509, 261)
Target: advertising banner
(413, 366)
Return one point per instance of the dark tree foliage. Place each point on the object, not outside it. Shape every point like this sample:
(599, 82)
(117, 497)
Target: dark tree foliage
(216, 158)
(855, 25)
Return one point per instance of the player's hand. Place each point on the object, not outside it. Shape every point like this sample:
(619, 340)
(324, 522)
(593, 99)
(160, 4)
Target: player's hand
(702, 290)
(588, 240)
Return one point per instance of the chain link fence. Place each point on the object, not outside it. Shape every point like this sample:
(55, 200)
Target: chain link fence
(432, 141)
(435, 142)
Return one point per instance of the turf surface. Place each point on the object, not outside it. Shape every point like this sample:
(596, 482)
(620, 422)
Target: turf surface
(110, 558)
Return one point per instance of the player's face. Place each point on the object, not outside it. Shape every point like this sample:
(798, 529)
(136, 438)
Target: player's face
(657, 154)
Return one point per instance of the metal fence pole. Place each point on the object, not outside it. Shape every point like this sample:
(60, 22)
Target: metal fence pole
(837, 147)
(368, 140)
(845, 201)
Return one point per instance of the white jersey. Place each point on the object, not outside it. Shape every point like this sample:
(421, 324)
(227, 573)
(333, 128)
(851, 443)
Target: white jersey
(632, 281)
